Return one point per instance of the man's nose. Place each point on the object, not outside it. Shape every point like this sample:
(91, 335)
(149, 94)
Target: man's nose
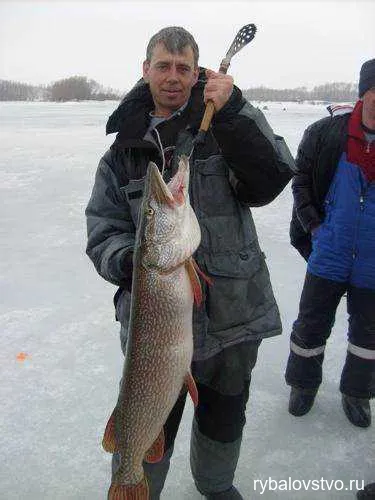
(172, 74)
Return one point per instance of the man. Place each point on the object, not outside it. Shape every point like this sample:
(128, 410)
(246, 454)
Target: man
(333, 227)
(241, 163)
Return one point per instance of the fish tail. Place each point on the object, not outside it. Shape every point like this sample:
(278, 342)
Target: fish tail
(139, 491)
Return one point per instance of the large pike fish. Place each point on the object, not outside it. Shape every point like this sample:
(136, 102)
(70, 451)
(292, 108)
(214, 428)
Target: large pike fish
(160, 343)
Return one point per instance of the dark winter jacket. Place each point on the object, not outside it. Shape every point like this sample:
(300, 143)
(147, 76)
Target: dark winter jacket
(317, 158)
(241, 164)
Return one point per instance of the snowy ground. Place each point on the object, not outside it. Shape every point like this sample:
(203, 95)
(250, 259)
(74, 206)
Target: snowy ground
(58, 311)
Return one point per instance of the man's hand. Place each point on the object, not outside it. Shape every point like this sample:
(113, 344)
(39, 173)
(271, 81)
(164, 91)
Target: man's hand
(218, 88)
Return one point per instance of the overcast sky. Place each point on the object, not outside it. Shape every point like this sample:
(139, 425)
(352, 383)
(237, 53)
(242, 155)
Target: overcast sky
(298, 43)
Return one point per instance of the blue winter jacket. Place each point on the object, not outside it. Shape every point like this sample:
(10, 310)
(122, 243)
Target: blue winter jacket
(344, 243)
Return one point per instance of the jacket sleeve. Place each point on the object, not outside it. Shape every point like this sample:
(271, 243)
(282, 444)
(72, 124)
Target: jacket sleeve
(305, 215)
(299, 239)
(110, 229)
(260, 160)
(302, 184)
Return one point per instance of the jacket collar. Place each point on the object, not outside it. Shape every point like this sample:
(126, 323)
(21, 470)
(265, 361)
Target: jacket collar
(359, 150)
(354, 127)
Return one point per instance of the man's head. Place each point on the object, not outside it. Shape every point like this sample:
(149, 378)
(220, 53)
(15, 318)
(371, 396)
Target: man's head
(171, 68)
(366, 77)
(366, 91)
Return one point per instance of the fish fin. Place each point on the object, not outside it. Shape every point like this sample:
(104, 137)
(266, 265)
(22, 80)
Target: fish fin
(194, 280)
(139, 491)
(192, 388)
(156, 452)
(200, 273)
(109, 438)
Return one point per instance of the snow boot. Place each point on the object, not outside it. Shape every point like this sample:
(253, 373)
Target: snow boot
(231, 494)
(357, 410)
(368, 493)
(301, 401)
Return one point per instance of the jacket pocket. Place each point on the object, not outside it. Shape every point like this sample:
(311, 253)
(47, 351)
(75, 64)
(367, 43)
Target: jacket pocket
(133, 193)
(242, 264)
(236, 292)
(215, 194)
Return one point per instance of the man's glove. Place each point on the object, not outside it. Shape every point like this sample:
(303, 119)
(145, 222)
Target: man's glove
(127, 271)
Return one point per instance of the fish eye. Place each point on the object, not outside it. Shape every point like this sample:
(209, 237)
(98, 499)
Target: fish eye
(150, 211)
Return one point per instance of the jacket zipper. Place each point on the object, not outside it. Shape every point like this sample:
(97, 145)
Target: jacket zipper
(360, 216)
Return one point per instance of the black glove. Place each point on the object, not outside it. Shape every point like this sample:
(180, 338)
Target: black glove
(127, 271)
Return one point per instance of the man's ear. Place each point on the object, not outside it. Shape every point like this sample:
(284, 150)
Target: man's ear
(196, 75)
(146, 67)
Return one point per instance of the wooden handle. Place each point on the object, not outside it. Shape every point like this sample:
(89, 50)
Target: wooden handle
(210, 109)
(207, 117)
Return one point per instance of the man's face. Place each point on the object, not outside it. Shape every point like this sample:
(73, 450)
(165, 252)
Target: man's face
(368, 112)
(171, 77)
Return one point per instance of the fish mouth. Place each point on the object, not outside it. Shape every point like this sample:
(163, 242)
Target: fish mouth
(179, 184)
(174, 193)
(158, 188)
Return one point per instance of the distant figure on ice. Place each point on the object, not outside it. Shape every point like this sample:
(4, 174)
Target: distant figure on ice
(333, 227)
(241, 164)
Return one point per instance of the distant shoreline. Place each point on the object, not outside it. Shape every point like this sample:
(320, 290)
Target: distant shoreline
(259, 101)
(80, 88)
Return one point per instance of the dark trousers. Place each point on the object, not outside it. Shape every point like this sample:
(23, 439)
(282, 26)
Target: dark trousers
(319, 300)
(223, 390)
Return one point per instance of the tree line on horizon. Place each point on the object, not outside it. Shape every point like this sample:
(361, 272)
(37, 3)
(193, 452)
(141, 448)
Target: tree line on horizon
(74, 88)
(80, 88)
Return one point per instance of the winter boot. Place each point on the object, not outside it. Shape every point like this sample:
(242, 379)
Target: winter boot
(231, 494)
(301, 401)
(213, 465)
(357, 410)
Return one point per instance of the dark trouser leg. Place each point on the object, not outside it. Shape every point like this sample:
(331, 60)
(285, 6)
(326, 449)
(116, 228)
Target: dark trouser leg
(157, 473)
(319, 300)
(219, 418)
(358, 375)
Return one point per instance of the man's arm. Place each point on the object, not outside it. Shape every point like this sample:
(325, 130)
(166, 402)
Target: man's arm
(110, 229)
(302, 185)
(305, 216)
(260, 160)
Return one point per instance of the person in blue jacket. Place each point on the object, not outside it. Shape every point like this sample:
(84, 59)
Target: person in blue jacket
(333, 227)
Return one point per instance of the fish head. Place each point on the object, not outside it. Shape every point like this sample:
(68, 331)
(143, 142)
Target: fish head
(168, 229)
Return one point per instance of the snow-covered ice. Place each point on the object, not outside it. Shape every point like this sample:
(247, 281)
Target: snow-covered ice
(58, 311)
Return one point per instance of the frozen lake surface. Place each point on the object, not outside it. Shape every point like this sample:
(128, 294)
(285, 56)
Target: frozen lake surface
(55, 308)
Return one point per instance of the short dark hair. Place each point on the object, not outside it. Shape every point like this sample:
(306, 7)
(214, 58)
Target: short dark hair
(175, 39)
